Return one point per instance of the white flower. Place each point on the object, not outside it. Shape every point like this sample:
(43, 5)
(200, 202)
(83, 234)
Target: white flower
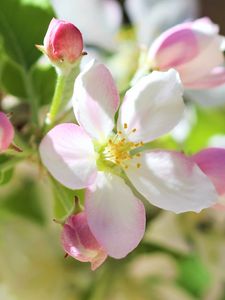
(97, 157)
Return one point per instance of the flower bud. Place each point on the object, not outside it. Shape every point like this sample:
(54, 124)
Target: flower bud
(194, 50)
(79, 242)
(6, 132)
(63, 43)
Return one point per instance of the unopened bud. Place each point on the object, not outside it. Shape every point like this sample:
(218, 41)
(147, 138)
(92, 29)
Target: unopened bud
(63, 43)
(79, 242)
(6, 132)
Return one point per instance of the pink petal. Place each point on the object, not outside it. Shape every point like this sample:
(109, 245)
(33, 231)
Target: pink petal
(174, 47)
(6, 132)
(95, 100)
(212, 162)
(171, 181)
(68, 153)
(214, 79)
(79, 242)
(115, 216)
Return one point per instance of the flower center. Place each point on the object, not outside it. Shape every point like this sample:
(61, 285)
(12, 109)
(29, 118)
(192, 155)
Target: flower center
(117, 150)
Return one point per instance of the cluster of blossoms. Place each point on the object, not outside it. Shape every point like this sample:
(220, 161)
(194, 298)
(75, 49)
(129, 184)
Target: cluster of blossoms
(106, 153)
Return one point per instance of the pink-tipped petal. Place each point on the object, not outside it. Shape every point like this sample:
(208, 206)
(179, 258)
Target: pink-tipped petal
(193, 49)
(152, 107)
(214, 79)
(212, 162)
(171, 181)
(174, 47)
(95, 100)
(79, 242)
(6, 132)
(115, 216)
(182, 43)
(68, 153)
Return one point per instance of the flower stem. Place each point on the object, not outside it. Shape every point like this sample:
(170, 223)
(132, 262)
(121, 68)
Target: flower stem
(32, 97)
(63, 92)
(57, 100)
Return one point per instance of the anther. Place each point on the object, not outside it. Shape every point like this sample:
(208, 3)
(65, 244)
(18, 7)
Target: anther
(119, 132)
(138, 165)
(134, 130)
(138, 155)
(125, 126)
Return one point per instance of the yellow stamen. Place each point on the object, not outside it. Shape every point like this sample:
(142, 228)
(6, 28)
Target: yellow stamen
(118, 150)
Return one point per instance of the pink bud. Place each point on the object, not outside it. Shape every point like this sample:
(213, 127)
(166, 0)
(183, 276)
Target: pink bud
(194, 50)
(63, 42)
(6, 132)
(79, 242)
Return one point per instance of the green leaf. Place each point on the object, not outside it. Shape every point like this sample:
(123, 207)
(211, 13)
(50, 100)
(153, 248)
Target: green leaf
(24, 201)
(209, 122)
(6, 176)
(194, 275)
(44, 79)
(8, 162)
(22, 25)
(12, 79)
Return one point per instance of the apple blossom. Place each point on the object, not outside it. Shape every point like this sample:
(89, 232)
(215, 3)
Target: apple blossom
(92, 155)
(63, 43)
(79, 242)
(194, 50)
(6, 132)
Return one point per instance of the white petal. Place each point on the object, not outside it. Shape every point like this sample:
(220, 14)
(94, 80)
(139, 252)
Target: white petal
(153, 106)
(95, 100)
(115, 216)
(67, 152)
(172, 181)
